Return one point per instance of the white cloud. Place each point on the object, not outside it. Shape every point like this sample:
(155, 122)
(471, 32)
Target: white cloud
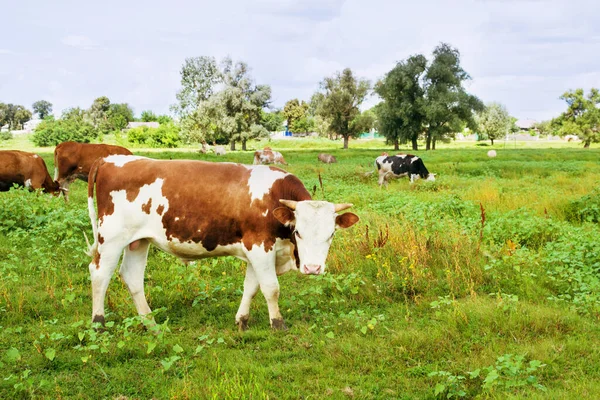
(79, 41)
(524, 54)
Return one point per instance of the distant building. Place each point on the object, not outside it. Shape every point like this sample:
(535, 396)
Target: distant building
(526, 124)
(30, 125)
(132, 125)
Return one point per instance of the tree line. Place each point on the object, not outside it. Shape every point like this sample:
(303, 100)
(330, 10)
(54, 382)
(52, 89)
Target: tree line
(219, 102)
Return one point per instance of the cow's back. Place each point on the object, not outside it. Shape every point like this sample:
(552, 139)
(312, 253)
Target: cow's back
(72, 158)
(22, 168)
(216, 204)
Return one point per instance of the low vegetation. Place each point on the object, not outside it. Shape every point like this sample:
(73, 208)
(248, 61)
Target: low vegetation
(482, 284)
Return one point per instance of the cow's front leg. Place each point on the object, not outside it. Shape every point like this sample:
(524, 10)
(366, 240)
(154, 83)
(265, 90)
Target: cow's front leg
(263, 264)
(250, 289)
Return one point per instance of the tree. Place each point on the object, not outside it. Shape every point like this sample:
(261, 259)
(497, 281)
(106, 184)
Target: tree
(14, 116)
(582, 117)
(42, 108)
(545, 128)
(494, 121)
(293, 111)
(199, 77)
(119, 115)
(272, 121)
(447, 105)
(148, 116)
(343, 94)
(97, 114)
(401, 115)
(232, 113)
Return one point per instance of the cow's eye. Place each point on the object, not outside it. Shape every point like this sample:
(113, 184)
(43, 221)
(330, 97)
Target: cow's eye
(298, 235)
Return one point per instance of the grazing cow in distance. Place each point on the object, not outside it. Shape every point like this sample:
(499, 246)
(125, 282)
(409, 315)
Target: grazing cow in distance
(73, 160)
(491, 153)
(25, 169)
(268, 156)
(401, 165)
(219, 150)
(326, 158)
(266, 218)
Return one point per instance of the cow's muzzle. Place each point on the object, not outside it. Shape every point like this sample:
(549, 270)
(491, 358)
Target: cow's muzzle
(311, 269)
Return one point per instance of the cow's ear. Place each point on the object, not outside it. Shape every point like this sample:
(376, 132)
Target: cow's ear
(284, 215)
(346, 220)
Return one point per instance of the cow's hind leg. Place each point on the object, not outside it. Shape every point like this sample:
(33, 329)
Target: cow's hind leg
(250, 288)
(103, 265)
(132, 271)
(263, 264)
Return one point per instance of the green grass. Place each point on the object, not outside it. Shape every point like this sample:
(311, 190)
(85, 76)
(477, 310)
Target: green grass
(418, 294)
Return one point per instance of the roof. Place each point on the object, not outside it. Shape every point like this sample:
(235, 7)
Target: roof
(138, 124)
(525, 123)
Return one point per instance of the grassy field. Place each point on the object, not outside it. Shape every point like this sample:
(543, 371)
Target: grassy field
(482, 284)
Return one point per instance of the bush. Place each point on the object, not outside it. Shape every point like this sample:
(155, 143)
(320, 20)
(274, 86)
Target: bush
(51, 132)
(166, 135)
(584, 209)
(6, 135)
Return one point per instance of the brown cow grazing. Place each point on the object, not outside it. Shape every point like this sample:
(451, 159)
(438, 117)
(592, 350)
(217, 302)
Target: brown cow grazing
(268, 156)
(25, 169)
(266, 218)
(73, 160)
(326, 158)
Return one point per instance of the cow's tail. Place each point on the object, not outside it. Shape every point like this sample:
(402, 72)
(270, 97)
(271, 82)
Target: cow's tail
(92, 248)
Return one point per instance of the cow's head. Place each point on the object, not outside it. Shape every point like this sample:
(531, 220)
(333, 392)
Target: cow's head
(55, 189)
(431, 177)
(314, 224)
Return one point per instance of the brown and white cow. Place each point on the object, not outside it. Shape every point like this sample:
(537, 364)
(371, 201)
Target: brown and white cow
(268, 156)
(25, 169)
(259, 214)
(326, 158)
(73, 160)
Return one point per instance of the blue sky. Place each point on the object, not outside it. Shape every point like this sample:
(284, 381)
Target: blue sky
(523, 54)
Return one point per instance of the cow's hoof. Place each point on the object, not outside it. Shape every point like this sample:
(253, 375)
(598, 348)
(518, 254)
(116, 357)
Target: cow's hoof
(242, 323)
(98, 323)
(278, 324)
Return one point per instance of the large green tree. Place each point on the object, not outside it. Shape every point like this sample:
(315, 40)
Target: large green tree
(42, 108)
(582, 117)
(199, 77)
(448, 106)
(293, 111)
(232, 113)
(343, 93)
(494, 121)
(401, 115)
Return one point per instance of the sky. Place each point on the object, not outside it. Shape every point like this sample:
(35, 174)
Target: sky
(522, 54)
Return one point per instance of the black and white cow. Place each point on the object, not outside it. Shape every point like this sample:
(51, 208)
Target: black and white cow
(401, 165)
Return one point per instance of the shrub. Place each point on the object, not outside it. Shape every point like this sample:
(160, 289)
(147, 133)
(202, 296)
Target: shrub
(573, 266)
(584, 209)
(6, 135)
(522, 227)
(51, 132)
(166, 135)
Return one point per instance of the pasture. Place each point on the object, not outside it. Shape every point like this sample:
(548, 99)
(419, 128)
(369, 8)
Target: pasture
(482, 284)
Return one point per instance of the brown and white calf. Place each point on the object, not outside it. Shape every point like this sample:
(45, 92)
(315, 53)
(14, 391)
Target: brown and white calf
(25, 169)
(266, 218)
(74, 160)
(268, 156)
